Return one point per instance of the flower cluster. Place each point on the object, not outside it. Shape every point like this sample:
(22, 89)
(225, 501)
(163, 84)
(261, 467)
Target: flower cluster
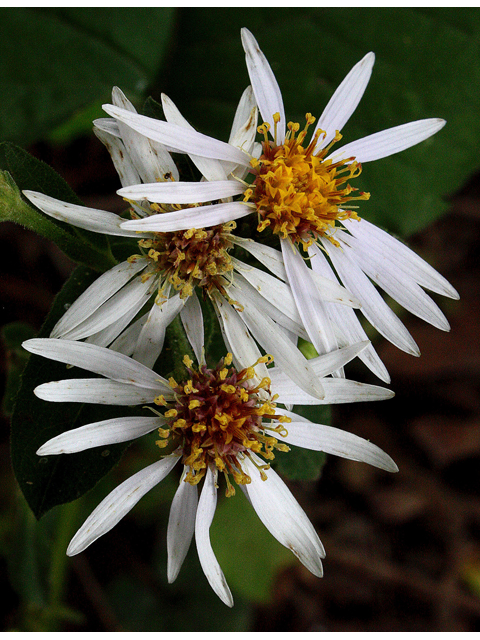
(314, 260)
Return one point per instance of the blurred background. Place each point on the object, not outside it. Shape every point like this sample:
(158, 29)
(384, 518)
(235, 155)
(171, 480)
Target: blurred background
(403, 551)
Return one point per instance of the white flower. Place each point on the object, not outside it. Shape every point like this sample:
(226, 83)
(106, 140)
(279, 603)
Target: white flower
(217, 421)
(302, 194)
(175, 260)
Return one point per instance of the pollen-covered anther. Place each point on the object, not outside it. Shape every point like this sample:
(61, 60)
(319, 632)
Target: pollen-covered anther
(190, 258)
(217, 419)
(298, 192)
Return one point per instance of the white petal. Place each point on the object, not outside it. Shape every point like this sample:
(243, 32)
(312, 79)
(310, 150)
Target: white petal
(395, 282)
(181, 526)
(346, 321)
(101, 433)
(345, 99)
(192, 320)
(280, 309)
(118, 503)
(374, 308)
(183, 192)
(310, 307)
(236, 335)
(83, 217)
(127, 340)
(99, 360)
(337, 391)
(152, 336)
(152, 163)
(328, 288)
(97, 293)
(319, 437)
(180, 138)
(131, 297)
(193, 218)
(397, 252)
(97, 391)
(283, 516)
(243, 113)
(126, 170)
(386, 143)
(106, 336)
(210, 566)
(210, 168)
(265, 86)
(286, 355)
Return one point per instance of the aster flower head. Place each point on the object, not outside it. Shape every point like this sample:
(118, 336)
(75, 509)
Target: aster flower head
(216, 422)
(302, 189)
(129, 307)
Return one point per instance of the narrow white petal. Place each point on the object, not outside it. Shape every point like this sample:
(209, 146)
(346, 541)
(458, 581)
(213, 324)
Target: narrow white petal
(245, 136)
(127, 340)
(101, 433)
(118, 503)
(319, 437)
(268, 256)
(179, 138)
(210, 566)
(99, 360)
(374, 308)
(192, 320)
(131, 297)
(183, 192)
(126, 170)
(265, 86)
(283, 516)
(310, 307)
(280, 309)
(345, 99)
(327, 288)
(397, 252)
(386, 143)
(181, 526)
(97, 391)
(152, 335)
(210, 168)
(242, 113)
(193, 218)
(337, 391)
(97, 293)
(237, 337)
(286, 355)
(345, 320)
(83, 217)
(152, 163)
(106, 336)
(396, 282)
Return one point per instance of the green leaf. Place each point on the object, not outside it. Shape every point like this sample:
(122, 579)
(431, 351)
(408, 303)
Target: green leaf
(421, 58)
(24, 171)
(51, 480)
(54, 62)
(247, 552)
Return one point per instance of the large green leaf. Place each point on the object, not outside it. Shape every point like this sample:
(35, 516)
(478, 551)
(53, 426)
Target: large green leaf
(51, 480)
(427, 65)
(56, 61)
(24, 171)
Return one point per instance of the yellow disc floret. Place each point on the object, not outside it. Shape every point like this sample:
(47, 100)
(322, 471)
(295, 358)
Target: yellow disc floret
(299, 193)
(219, 416)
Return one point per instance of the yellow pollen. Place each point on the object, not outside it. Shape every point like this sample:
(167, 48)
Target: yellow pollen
(187, 361)
(298, 192)
(193, 404)
(171, 413)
